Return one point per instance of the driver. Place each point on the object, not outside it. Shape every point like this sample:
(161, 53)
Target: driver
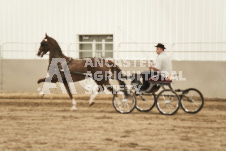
(162, 67)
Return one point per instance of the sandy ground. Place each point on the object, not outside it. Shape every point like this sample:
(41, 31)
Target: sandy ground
(48, 124)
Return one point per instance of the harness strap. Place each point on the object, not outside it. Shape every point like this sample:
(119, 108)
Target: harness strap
(69, 61)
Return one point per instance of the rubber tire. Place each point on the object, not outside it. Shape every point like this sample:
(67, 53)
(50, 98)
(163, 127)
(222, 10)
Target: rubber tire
(134, 100)
(147, 110)
(200, 96)
(176, 96)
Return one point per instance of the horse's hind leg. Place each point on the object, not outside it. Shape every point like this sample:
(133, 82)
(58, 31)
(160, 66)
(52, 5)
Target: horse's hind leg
(92, 97)
(69, 93)
(112, 90)
(109, 86)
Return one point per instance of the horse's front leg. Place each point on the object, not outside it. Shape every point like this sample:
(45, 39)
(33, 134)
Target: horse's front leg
(69, 93)
(53, 80)
(39, 89)
(41, 80)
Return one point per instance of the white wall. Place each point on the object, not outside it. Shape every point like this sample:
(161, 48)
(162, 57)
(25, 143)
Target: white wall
(129, 20)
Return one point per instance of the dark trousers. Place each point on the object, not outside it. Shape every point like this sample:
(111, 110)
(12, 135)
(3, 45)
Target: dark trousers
(146, 75)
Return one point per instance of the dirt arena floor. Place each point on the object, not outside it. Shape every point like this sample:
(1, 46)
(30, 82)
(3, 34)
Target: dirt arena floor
(28, 123)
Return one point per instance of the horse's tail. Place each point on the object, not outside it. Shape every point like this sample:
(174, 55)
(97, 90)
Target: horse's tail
(117, 74)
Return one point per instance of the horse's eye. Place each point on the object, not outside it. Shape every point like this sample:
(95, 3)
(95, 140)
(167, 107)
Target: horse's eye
(43, 43)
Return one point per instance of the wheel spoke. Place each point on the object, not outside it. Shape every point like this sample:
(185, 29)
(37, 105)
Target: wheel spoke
(168, 102)
(194, 101)
(169, 107)
(145, 102)
(124, 104)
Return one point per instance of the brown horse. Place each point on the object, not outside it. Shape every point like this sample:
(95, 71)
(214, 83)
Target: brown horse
(78, 68)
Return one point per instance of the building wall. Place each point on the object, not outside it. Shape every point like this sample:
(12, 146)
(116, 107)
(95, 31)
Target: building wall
(136, 21)
(129, 20)
(19, 76)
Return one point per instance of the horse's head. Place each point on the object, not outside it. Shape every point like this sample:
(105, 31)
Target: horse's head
(44, 46)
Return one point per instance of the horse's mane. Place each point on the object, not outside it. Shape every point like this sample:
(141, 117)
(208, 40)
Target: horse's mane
(54, 44)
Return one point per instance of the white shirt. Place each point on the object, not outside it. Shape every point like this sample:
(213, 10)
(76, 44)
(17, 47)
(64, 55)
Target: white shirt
(163, 63)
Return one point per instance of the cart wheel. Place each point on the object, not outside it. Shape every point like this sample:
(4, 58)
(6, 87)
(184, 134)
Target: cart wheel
(145, 102)
(168, 102)
(124, 104)
(192, 100)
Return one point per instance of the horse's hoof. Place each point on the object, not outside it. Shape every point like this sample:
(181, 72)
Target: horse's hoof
(41, 94)
(73, 109)
(91, 104)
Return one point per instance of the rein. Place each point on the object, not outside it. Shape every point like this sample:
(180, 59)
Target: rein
(90, 75)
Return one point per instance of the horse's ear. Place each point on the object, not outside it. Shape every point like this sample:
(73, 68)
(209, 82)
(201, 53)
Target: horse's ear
(47, 35)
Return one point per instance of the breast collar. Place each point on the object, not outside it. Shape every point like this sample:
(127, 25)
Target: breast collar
(69, 60)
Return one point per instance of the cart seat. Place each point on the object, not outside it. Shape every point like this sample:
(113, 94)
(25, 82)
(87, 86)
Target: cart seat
(159, 80)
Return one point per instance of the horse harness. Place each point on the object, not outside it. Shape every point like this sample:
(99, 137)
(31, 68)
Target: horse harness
(68, 61)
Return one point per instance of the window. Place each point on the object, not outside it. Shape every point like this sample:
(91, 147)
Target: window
(100, 46)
